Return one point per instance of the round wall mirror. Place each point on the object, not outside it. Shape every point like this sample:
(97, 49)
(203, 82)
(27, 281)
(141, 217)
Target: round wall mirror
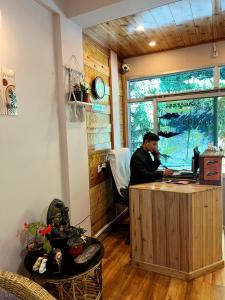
(99, 87)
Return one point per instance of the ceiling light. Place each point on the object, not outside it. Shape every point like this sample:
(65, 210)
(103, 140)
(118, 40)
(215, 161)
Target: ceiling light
(152, 43)
(140, 28)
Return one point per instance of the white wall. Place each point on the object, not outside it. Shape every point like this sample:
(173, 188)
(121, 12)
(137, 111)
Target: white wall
(76, 136)
(30, 156)
(29, 143)
(175, 60)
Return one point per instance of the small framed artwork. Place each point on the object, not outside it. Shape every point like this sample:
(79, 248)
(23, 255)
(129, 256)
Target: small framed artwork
(8, 100)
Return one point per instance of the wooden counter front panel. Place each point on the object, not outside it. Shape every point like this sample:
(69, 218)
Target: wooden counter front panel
(176, 230)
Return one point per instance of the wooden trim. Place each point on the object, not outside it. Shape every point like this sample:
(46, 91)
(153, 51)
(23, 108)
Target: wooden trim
(111, 100)
(182, 96)
(125, 112)
(178, 274)
(103, 232)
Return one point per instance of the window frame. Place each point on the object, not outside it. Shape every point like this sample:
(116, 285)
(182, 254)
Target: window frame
(216, 92)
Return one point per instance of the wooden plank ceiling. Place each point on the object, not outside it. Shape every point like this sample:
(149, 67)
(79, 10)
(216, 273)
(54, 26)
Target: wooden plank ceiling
(180, 24)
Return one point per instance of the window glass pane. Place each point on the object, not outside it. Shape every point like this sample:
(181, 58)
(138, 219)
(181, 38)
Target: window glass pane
(141, 121)
(222, 76)
(197, 80)
(182, 126)
(221, 126)
(221, 122)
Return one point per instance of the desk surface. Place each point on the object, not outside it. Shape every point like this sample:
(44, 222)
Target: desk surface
(174, 188)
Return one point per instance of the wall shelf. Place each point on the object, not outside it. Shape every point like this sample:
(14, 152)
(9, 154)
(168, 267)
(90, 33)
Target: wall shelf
(79, 103)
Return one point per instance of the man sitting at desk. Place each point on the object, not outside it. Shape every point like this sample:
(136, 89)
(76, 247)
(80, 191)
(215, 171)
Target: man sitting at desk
(145, 161)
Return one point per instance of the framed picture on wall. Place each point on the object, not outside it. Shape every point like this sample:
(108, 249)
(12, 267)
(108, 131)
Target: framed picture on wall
(8, 100)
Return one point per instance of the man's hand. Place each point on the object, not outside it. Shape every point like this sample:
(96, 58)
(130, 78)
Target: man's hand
(156, 154)
(167, 172)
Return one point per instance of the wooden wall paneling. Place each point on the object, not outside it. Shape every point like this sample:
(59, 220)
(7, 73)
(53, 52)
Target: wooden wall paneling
(135, 224)
(102, 206)
(97, 158)
(164, 19)
(183, 225)
(218, 18)
(172, 229)
(207, 223)
(96, 63)
(159, 228)
(217, 225)
(182, 15)
(202, 16)
(185, 233)
(111, 104)
(197, 225)
(179, 24)
(145, 207)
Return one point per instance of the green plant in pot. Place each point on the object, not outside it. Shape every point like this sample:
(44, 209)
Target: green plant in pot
(75, 243)
(86, 95)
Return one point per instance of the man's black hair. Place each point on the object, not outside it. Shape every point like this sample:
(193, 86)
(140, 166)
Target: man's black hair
(149, 136)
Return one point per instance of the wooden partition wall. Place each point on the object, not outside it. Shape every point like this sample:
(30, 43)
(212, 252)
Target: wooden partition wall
(99, 136)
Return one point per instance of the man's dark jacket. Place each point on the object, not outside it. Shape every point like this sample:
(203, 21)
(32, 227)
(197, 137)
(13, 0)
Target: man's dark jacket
(143, 168)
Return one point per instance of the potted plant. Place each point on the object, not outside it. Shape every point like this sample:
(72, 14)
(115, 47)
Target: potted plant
(86, 95)
(36, 237)
(77, 93)
(75, 243)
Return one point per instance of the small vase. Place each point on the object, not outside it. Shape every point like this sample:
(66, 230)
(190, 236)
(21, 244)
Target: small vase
(75, 248)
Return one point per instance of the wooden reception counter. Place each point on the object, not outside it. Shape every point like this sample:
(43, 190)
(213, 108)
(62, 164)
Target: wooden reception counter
(176, 230)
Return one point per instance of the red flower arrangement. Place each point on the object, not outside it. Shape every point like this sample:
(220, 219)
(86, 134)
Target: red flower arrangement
(36, 236)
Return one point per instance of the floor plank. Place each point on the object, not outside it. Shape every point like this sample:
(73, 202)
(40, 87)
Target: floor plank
(123, 281)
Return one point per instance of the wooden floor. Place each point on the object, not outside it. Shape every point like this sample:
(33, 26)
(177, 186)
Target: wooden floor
(122, 281)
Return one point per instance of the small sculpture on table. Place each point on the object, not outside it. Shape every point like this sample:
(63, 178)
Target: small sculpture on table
(58, 217)
(57, 260)
(62, 231)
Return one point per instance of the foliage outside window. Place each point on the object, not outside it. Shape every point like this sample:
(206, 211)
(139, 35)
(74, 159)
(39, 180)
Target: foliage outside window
(183, 125)
(222, 76)
(197, 80)
(141, 121)
(221, 126)
(221, 122)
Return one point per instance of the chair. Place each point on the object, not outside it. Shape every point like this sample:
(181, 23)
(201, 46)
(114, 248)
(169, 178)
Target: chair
(119, 160)
(22, 287)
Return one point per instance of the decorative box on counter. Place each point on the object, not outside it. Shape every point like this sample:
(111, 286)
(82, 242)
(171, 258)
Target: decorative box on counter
(211, 167)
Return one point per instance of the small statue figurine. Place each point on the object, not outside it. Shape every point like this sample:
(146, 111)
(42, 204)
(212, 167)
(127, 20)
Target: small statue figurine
(42, 268)
(58, 217)
(57, 260)
(37, 264)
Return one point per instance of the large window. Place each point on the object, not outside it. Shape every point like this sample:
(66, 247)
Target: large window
(182, 126)
(173, 83)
